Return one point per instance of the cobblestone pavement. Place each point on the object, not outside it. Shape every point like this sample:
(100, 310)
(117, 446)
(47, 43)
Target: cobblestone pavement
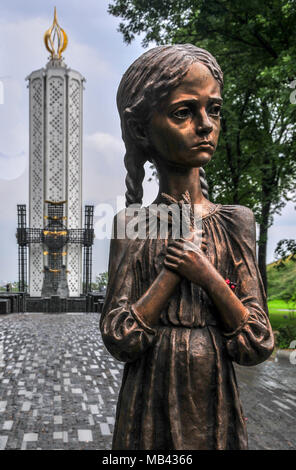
(268, 395)
(59, 387)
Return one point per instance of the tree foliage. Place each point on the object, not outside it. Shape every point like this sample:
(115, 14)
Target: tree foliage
(285, 253)
(285, 250)
(255, 45)
(101, 281)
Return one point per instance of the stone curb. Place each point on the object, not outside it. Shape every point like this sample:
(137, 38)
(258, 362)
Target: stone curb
(286, 355)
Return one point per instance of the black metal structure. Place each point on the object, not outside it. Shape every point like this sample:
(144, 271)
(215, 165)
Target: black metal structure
(87, 248)
(22, 247)
(55, 237)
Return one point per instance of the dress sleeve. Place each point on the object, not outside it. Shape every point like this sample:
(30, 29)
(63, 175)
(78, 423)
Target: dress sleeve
(124, 334)
(253, 342)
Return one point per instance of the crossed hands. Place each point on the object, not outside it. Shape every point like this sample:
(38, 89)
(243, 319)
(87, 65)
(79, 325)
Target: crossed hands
(187, 258)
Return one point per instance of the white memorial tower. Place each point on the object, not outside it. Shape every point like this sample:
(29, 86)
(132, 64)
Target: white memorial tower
(55, 163)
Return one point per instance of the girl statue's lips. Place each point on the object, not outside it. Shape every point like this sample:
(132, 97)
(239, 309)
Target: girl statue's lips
(204, 143)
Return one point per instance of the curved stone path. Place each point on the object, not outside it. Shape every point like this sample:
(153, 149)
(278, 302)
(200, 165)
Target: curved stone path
(59, 387)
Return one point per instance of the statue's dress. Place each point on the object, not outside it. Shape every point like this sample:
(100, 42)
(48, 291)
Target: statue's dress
(179, 389)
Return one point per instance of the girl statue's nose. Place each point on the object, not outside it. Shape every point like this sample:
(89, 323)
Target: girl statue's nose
(203, 124)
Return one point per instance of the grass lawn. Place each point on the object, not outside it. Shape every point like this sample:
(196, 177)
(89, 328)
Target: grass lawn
(279, 318)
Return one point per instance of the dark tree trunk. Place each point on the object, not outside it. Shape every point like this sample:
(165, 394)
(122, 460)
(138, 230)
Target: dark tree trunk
(263, 237)
(231, 158)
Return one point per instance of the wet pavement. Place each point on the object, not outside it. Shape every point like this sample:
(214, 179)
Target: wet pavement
(59, 387)
(268, 395)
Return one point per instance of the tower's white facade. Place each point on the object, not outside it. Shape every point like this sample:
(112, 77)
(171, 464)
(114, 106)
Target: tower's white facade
(55, 163)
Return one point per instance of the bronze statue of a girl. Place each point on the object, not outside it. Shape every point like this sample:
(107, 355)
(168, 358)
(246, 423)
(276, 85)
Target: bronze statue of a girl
(178, 313)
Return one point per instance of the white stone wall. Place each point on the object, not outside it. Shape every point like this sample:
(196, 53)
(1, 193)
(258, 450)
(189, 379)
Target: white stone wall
(74, 179)
(36, 177)
(55, 148)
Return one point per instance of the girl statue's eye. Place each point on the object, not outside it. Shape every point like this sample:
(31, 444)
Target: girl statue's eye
(182, 113)
(215, 110)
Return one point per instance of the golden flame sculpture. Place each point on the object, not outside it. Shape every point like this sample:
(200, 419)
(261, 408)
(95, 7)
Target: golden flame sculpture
(55, 38)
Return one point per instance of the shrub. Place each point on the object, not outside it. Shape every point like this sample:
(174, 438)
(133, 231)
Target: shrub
(286, 334)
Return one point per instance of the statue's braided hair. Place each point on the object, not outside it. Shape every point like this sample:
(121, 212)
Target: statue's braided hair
(203, 182)
(147, 82)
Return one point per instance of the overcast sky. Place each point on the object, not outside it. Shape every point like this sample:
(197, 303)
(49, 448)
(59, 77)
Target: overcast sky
(97, 51)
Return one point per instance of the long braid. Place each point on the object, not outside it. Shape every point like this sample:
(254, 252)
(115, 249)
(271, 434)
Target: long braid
(203, 183)
(134, 178)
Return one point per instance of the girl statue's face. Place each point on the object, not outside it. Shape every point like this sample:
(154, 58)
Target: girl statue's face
(184, 130)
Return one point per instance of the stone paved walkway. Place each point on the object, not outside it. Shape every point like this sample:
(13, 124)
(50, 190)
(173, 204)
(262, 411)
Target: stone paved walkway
(59, 387)
(268, 395)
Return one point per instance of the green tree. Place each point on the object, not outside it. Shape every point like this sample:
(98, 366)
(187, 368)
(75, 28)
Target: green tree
(101, 281)
(285, 253)
(254, 42)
